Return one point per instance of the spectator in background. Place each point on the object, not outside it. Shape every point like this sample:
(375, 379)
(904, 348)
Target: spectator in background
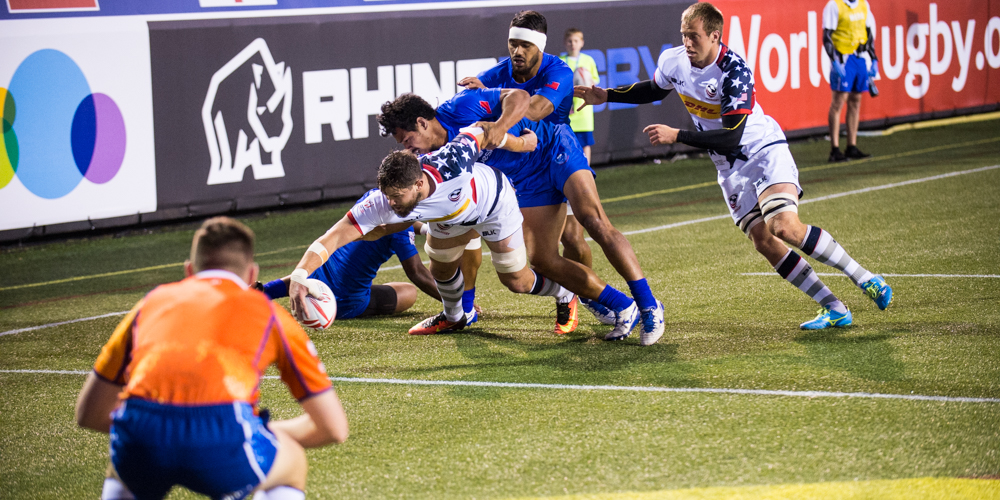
(581, 116)
(848, 36)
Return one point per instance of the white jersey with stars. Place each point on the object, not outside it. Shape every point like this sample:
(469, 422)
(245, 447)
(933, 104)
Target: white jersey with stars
(722, 88)
(465, 192)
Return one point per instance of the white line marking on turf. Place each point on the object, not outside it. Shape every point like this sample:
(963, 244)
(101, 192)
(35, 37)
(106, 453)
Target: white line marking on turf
(517, 385)
(896, 275)
(639, 231)
(39, 327)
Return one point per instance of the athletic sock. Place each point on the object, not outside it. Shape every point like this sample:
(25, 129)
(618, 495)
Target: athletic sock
(451, 296)
(284, 493)
(115, 490)
(548, 288)
(642, 294)
(798, 272)
(469, 300)
(819, 245)
(613, 299)
(276, 289)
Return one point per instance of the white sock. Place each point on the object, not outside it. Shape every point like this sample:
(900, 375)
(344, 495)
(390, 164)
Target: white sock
(451, 295)
(284, 493)
(800, 274)
(548, 288)
(819, 245)
(115, 490)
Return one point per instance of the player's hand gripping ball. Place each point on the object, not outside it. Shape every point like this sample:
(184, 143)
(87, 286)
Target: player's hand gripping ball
(320, 305)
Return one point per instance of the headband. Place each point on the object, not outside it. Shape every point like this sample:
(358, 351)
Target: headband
(528, 36)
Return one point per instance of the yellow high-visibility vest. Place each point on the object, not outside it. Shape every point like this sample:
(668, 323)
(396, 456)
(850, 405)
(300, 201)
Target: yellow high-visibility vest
(850, 32)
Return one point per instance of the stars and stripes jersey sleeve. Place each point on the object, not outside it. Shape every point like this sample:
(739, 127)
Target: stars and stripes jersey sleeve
(737, 85)
(453, 159)
(117, 352)
(297, 359)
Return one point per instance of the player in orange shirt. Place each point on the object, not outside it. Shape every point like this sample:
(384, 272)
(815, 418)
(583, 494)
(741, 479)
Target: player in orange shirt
(177, 384)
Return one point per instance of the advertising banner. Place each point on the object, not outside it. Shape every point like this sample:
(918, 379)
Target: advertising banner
(77, 122)
(934, 57)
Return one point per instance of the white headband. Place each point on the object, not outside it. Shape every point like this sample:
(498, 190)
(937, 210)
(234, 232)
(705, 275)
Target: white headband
(528, 36)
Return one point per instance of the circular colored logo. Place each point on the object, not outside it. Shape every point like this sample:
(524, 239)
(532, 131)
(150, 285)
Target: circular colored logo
(56, 132)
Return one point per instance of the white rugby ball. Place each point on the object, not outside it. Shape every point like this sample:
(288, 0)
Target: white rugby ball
(321, 305)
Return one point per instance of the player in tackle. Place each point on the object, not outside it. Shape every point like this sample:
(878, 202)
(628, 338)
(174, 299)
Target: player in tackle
(756, 171)
(460, 199)
(177, 384)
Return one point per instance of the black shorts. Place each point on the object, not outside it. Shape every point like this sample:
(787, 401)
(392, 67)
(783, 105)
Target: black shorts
(382, 301)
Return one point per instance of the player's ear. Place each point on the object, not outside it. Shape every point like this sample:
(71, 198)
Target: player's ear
(253, 270)
(188, 268)
(422, 123)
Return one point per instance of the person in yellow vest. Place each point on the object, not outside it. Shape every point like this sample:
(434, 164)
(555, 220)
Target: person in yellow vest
(582, 122)
(848, 37)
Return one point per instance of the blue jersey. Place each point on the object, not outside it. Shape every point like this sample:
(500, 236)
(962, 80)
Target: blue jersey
(539, 175)
(350, 270)
(554, 81)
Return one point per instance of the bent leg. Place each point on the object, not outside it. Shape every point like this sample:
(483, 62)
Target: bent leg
(289, 467)
(582, 193)
(575, 247)
(542, 227)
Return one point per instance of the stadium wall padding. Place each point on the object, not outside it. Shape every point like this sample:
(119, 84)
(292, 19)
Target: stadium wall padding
(233, 114)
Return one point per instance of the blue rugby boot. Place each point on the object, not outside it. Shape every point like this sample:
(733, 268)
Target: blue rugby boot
(652, 324)
(626, 321)
(828, 317)
(604, 315)
(879, 291)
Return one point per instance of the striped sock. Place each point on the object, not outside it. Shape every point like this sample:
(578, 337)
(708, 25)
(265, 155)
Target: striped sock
(798, 272)
(548, 288)
(451, 295)
(819, 245)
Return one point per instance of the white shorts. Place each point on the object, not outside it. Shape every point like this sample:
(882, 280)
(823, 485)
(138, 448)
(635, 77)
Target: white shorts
(742, 186)
(497, 225)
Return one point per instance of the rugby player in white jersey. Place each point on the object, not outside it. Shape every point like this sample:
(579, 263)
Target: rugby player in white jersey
(459, 199)
(756, 171)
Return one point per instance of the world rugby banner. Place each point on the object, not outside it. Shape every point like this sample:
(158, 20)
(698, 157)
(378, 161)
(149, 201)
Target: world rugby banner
(934, 57)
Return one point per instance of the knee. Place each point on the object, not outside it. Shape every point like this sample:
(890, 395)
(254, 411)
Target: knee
(516, 283)
(599, 227)
(783, 229)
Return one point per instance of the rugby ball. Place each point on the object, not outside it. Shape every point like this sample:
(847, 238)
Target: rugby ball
(320, 306)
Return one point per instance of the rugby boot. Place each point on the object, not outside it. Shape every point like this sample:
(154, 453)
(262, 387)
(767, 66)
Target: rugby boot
(836, 156)
(626, 320)
(853, 153)
(879, 291)
(438, 324)
(471, 317)
(604, 315)
(566, 317)
(826, 318)
(652, 324)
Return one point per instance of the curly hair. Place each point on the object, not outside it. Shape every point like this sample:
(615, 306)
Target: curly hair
(531, 20)
(399, 170)
(402, 113)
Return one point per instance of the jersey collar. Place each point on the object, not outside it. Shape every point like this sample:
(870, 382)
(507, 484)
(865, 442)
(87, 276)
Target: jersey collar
(222, 274)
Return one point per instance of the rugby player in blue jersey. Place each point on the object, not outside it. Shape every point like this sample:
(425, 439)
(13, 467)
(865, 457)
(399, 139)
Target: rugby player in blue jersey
(544, 179)
(350, 270)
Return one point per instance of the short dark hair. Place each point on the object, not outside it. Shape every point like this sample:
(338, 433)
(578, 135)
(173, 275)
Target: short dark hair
(572, 31)
(222, 243)
(402, 113)
(399, 170)
(531, 20)
(710, 15)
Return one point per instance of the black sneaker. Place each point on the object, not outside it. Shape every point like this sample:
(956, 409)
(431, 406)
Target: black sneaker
(853, 153)
(438, 324)
(836, 156)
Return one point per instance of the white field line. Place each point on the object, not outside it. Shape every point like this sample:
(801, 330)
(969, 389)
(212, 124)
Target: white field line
(39, 327)
(648, 230)
(625, 388)
(896, 275)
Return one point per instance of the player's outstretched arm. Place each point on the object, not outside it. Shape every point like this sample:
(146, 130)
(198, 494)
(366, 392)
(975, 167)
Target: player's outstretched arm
(342, 233)
(97, 400)
(324, 422)
(417, 273)
(540, 107)
(514, 104)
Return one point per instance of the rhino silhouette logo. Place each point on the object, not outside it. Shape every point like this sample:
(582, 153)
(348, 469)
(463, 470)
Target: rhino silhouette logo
(227, 165)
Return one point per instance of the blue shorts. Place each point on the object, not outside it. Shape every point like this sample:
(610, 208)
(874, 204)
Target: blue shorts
(218, 450)
(585, 138)
(855, 75)
(543, 186)
(349, 305)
